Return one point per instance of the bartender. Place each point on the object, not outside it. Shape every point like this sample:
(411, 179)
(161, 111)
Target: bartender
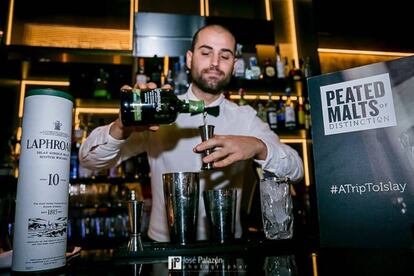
(240, 136)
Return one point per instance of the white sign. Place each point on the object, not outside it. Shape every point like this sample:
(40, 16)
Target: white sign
(357, 105)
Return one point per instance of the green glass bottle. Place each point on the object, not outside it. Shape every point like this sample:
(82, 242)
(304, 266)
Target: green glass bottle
(156, 106)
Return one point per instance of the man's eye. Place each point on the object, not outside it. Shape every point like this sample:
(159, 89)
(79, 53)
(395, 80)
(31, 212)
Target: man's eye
(226, 57)
(205, 53)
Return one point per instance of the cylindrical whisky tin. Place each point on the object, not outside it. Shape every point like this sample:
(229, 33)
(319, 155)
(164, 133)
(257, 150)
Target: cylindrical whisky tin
(41, 219)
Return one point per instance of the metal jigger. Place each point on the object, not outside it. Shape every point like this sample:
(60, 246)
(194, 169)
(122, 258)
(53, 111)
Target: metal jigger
(135, 209)
(206, 132)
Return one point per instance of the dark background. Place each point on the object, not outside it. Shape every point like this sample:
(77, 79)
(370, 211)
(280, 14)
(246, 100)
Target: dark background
(364, 24)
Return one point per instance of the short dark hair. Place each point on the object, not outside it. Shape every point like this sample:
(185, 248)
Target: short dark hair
(195, 36)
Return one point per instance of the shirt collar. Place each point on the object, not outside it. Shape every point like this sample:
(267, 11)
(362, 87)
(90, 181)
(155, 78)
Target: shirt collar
(191, 96)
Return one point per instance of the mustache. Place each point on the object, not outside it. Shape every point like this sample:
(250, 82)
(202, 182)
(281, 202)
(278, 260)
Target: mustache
(213, 68)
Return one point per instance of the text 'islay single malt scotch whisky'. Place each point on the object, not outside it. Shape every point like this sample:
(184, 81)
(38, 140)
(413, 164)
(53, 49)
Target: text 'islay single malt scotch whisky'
(41, 219)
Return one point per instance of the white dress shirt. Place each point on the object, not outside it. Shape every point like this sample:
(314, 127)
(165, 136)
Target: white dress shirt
(170, 149)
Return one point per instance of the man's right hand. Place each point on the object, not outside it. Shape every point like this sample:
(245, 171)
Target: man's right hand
(121, 132)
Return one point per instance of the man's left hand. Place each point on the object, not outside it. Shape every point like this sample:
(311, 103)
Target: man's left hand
(231, 148)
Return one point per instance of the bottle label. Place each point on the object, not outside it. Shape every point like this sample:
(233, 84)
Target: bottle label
(272, 119)
(290, 116)
(196, 106)
(270, 71)
(137, 104)
(153, 98)
(239, 68)
(41, 218)
(280, 68)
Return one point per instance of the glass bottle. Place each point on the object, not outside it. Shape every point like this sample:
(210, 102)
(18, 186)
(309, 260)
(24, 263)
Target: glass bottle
(301, 113)
(281, 114)
(242, 100)
(280, 66)
(308, 121)
(157, 106)
(271, 113)
(261, 112)
(290, 117)
(181, 77)
(286, 68)
(141, 77)
(255, 70)
(101, 85)
(239, 66)
(269, 71)
(156, 72)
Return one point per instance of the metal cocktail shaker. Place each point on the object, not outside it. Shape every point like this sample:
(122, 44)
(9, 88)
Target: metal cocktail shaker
(220, 208)
(181, 195)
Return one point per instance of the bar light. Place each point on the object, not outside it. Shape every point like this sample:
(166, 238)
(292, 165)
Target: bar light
(364, 52)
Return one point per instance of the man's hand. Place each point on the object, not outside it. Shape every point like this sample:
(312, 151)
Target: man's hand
(119, 131)
(231, 148)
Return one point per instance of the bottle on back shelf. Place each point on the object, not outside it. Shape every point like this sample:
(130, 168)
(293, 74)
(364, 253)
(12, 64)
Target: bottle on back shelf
(280, 65)
(292, 71)
(254, 70)
(141, 77)
(295, 78)
(290, 116)
(271, 112)
(286, 68)
(301, 113)
(239, 66)
(101, 85)
(262, 112)
(181, 77)
(269, 71)
(156, 72)
(261, 109)
(242, 100)
(280, 114)
(169, 79)
(307, 72)
(308, 122)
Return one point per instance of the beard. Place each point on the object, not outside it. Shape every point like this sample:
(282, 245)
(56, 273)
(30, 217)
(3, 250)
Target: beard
(210, 85)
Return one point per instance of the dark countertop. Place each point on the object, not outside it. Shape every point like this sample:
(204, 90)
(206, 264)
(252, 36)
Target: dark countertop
(251, 257)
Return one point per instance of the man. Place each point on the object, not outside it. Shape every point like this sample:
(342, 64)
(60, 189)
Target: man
(240, 136)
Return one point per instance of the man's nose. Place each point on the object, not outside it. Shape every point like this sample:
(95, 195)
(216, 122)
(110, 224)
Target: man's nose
(215, 60)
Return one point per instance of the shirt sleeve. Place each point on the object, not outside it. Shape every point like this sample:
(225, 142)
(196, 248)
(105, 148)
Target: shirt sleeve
(281, 159)
(100, 150)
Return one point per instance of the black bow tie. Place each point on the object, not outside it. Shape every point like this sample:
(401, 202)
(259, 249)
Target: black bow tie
(214, 111)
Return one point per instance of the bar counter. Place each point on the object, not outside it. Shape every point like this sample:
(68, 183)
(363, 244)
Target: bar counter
(241, 257)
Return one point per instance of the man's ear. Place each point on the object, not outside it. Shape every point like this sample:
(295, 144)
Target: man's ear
(189, 58)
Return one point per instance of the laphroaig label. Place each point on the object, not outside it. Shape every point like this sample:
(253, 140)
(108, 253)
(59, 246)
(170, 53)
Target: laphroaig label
(359, 104)
(40, 233)
(137, 104)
